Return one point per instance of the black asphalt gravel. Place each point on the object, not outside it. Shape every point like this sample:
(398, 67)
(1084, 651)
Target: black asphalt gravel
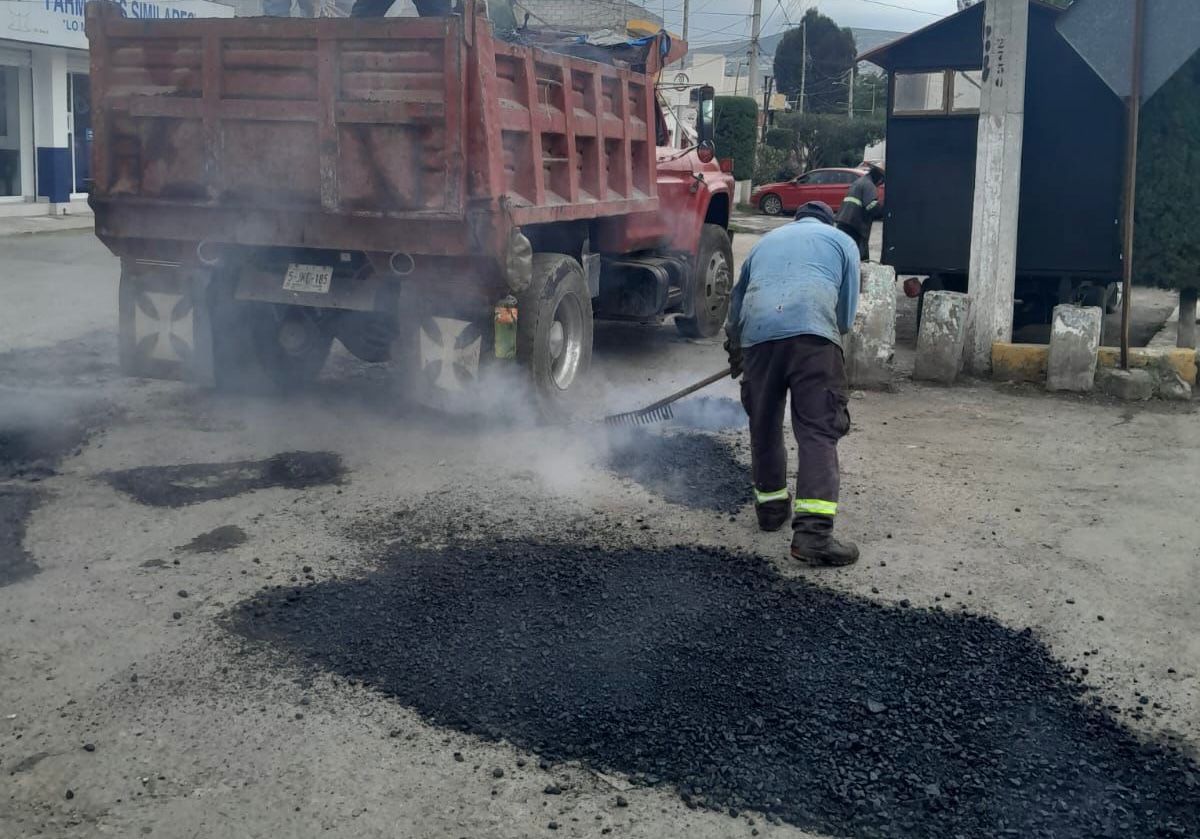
(16, 504)
(178, 486)
(742, 689)
(219, 539)
(694, 470)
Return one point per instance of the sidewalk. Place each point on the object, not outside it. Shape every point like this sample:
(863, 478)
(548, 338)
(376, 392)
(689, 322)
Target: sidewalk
(25, 225)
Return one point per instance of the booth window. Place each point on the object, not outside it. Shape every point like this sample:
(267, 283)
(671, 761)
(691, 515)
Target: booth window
(936, 92)
(967, 89)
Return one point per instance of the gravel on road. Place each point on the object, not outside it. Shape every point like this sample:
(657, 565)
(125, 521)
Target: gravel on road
(742, 689)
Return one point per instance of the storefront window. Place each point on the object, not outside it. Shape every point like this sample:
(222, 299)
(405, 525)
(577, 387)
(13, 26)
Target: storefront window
(79, 100)
(10, 131)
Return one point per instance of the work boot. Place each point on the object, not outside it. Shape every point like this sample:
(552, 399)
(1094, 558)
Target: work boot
(823, 550)
(773, 515)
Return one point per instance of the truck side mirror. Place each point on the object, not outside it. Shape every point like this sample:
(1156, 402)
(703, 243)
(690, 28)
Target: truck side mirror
(705, 123)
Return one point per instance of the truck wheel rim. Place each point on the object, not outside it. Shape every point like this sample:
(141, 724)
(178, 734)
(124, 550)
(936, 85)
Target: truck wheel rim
(716, 283)
(566, 342)
(295, 335)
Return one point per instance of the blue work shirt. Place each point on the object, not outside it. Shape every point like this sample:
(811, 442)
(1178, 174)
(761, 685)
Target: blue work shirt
(800, 279)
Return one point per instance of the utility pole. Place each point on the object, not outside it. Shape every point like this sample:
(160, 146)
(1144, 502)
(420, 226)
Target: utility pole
(768, 89)
(1129, 192)
(993, 271)
(755, 22)
(803, 61)
(850, 107)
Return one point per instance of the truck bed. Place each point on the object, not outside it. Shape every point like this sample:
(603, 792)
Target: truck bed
(421, 134)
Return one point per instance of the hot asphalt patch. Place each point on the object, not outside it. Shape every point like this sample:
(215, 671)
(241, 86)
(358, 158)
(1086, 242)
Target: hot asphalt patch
(709, 672)
(40, 428)
(16, 504)
(178, 486)
(694, 470)
(224, 538)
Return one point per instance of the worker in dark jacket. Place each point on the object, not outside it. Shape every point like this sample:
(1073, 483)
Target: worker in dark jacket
(860, 208)
(794, 300)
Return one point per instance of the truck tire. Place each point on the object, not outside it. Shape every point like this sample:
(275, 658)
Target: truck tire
(554, 329)
(290, 343)
(1113, 295)
(1094, 296)
(771, 204)
(711, 286)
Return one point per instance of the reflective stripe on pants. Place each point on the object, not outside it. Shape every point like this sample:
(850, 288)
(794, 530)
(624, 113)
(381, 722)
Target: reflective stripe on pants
(761, 497)
(815, 507)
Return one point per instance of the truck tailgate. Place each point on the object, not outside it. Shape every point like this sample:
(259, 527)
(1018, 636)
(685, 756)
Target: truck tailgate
(265, 115)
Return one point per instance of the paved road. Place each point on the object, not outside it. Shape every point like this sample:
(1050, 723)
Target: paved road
(1037, 511)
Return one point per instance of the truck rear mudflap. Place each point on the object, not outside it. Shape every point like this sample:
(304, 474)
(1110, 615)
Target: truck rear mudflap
(205, 323)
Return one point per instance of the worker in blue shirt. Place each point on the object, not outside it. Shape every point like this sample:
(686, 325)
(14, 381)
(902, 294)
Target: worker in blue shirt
(794, 300)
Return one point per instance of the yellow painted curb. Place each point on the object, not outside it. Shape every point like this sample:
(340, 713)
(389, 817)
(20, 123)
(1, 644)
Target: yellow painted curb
(1182, 360)
(1019, 362)
(1027, 362)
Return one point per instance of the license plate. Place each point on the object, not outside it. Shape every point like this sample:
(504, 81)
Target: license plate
(314, 279)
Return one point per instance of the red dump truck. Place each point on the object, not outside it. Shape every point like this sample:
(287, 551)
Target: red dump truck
(425, 190)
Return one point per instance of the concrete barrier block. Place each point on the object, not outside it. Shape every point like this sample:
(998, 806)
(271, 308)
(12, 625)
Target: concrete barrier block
(1074, 339)
(872, 342)
(942, 336)
(1136, 385)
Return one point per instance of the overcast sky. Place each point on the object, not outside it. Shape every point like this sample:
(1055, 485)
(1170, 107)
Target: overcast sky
(717, 21)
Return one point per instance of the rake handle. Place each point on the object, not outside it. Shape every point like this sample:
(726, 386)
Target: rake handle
(690, 389)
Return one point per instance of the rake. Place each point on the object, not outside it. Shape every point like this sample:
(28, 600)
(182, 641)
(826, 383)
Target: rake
(661, 410)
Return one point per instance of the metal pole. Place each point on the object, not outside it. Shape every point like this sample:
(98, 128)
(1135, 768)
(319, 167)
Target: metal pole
(686, 13)
(768, 83)
(1133, 117)
(850, 108)
(803, 60)
(752, 71)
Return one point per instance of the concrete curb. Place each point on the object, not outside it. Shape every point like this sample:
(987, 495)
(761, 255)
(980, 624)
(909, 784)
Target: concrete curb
(33, 225)
(1027, 362)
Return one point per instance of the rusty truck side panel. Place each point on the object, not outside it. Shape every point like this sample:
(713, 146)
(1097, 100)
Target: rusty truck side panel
(424, 135)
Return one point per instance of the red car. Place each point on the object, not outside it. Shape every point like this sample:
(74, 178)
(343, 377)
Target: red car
(828, 185)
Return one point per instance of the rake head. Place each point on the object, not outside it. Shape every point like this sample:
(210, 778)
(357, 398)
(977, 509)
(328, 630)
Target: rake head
(642, 417)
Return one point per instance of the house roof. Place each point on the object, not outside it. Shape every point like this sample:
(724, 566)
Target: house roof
(882, 55)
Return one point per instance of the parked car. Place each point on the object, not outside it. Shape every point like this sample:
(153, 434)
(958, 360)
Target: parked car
(828, 185)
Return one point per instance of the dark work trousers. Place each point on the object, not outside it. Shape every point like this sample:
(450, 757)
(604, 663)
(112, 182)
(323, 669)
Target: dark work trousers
(863, 243)
(810, 370)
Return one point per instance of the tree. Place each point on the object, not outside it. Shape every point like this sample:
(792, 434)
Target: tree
(735, 123)
(829, 55)
(1166, 250)
(832, 139)
(783, 139)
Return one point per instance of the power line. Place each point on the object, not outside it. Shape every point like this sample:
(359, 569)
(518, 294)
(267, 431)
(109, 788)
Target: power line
(901, 8)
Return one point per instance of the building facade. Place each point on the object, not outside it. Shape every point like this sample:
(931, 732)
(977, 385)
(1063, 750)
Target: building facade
(45, 111)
